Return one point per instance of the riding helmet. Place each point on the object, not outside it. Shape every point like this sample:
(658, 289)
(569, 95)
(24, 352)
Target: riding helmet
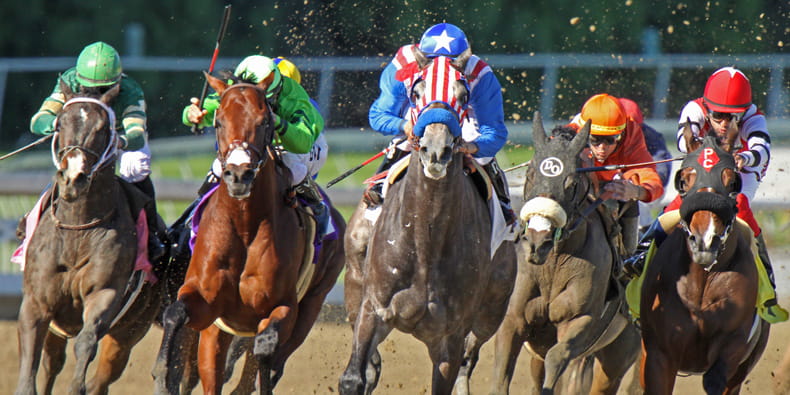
(257, 68)
(98, 65)
(288, 69)
(443, 39)
(606, 113)
(728, 90)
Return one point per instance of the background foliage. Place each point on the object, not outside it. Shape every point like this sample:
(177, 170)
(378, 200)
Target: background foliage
(186, 29)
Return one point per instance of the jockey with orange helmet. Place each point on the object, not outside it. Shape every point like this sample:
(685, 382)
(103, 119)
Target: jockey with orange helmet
(484, 131)
(726, 106)
(616, 139)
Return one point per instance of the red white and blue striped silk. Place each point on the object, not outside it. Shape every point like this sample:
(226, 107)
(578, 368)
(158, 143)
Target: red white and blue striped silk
(439, 77)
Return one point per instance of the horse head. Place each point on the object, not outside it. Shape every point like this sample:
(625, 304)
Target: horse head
(553, 189)
(439, 95)
(244, 132)
(85, 139)
(708, 182)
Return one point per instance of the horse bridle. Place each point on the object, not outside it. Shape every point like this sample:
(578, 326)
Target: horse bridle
(102, 160)
(244, 146)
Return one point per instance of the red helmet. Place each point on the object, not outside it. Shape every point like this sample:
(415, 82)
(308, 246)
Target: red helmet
(728, 90)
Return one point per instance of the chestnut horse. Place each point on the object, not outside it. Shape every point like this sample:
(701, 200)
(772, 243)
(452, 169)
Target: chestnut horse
(699, 292)
(81, 258)
(427, 267)
(565, 306)
(251, 251)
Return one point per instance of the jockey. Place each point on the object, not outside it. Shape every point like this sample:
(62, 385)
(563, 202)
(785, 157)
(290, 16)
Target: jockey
(298, 123)
(727, 99)
(484, 130)
(99, 69)
(658, 150)
(616, 139)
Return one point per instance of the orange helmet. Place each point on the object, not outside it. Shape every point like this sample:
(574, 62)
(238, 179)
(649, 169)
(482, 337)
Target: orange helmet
(606, 113)
(728, 90)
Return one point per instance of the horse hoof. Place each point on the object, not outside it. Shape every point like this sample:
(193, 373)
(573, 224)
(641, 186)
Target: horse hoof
(351, 384)
(266, 343)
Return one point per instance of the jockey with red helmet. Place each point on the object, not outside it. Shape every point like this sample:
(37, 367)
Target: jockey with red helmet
(726, 106)
(484, 130)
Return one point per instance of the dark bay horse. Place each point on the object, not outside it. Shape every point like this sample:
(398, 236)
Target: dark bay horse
(564, 305)
(427, 267)
(81, 258)
(251, 270)
(698, 298)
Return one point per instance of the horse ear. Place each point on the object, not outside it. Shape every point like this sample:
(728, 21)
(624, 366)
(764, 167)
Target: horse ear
(538, 133)
(111, 94)
(217, 84)
(460, 61)
(65, 88)
(422, 60)
(581, 138)
(692, 143)
(731, 138)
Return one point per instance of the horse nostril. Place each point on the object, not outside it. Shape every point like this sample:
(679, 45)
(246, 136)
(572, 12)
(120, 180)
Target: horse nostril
(248, 176)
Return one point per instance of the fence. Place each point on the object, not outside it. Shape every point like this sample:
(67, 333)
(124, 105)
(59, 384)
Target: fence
(551, 64)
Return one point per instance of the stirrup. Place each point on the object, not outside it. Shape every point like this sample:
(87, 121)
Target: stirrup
(635, 264)
(372, 195)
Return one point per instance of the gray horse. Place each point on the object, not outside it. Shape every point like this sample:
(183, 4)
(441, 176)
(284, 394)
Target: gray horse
(428, 269)
(564, 306)
(81, 258)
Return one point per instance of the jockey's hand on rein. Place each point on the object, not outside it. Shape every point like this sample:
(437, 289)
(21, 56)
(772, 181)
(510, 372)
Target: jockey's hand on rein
(740, 161)
(195, 114)
(622, 190)
(468, 147)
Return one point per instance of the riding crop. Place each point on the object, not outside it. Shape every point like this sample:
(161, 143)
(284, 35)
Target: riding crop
(31, 145)
(222, 27)
(361, 165)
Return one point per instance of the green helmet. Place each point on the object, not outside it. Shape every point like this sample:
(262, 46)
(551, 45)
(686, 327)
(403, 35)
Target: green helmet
(98, 65)
(257, 68)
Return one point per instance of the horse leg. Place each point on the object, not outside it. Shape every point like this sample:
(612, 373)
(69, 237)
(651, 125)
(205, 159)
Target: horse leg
(507, 345)
(614, 360)
(735, 381)
(238, 347)
(212, 351)
(187, 359)
(115, 351)
(272, 332)
(166, 372)
(658, 371)
(572, 339)
(249, 373)
(53, 359)
(446, 356)
(32, 327)
(472, 346)
(100, 309)
(369, 331)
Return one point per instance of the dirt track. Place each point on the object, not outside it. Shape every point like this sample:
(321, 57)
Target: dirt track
(317, 365)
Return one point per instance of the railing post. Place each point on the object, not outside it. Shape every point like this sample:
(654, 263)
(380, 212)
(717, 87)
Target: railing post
(549, 90)
(3, 79)
(774, 107)
(660, 95)
(327, 76)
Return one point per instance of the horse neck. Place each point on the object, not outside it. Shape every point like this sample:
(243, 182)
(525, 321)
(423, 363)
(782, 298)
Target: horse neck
(96, 202)
(420, 191)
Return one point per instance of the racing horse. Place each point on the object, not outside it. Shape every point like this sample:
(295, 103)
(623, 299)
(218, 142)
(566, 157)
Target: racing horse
(429, 268)
(252, 271)
(699, 292)
(565, 306)
(82, 258)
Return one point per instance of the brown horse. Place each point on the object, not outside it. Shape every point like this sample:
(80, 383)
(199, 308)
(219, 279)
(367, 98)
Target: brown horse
(251, 270)
(565, 305)
(699, 292)
(428, 269)
(81, 258)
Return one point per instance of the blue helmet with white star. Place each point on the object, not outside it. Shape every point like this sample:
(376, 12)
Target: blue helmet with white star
(443, 39)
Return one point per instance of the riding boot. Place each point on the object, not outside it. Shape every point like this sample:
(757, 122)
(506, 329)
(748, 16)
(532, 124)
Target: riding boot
(499, 182)
(156, 229)
(635, 263)
(309, 191)
(208, 183)
(773, 313)
(373, 193)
